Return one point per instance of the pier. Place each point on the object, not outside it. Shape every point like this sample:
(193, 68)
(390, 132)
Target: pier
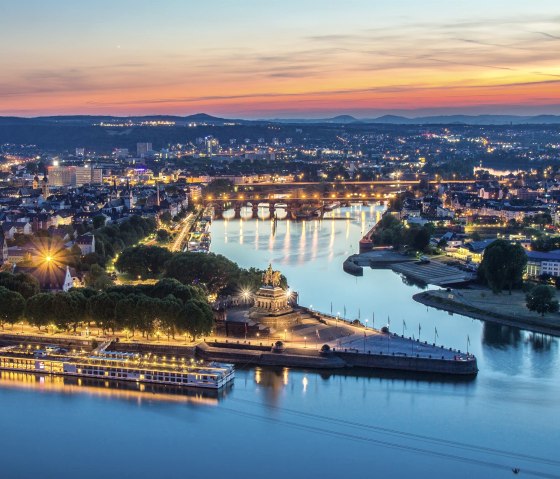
(322, 341)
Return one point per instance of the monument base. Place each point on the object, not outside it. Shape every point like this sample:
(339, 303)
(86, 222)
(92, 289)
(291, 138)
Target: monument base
(272, 309)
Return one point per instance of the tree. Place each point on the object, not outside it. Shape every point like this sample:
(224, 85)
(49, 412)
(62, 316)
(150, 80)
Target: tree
(39, 310)
(70, 308)
(12, 306)
(166, 217)
(196, 319)
(102, 308)
(421, 239)
(145, 261)
(98, 221)
(542, 299)
(163, 236)
(97, 278)
(502, 265)
(22, 283)
(211, 270)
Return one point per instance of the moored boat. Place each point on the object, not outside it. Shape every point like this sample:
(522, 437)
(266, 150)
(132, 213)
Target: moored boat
(119, 366)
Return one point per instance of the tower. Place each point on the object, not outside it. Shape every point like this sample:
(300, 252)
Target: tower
(157, 194)
(45, 186)
(36, 182)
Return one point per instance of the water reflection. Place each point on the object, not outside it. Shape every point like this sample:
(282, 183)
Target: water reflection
(125, 390)
(500, 336)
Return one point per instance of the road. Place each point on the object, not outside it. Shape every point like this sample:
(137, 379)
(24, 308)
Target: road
(185, 227)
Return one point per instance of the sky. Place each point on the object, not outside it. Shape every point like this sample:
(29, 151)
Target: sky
(279, 59)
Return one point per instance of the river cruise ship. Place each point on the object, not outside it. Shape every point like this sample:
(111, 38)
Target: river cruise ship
(117, 366)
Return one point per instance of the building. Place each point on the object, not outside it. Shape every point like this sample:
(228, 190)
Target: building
(62, 175)
(3, 249)
(143, 149)
(120, 152)
(51, 277)
(540, 263)
(86, 243)
(86, 175)
(212, 145)
(74, 175)
(471, 252)
(194, 194)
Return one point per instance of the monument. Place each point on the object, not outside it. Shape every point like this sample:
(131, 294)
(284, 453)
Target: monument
(271, 305)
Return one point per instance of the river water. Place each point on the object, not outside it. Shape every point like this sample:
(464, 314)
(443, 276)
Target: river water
(288, 423)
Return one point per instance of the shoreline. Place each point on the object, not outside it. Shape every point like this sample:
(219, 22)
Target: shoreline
(427, 298)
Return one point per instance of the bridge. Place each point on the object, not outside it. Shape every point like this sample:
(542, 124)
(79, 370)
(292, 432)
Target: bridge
(312, 199)
(298, 207)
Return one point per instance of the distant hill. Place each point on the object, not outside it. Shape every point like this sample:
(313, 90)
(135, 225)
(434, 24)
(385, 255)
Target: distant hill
(434, 120)
(87, 120)
(468, 120)
(93, 119)
(340, 119)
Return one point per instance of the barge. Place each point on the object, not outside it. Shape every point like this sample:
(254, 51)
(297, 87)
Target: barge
(117, 366)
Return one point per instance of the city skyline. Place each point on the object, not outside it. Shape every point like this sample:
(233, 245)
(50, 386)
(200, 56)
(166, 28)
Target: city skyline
(282, 59)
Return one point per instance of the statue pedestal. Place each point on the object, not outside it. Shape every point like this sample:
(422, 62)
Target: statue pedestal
(272, 309)
(271, 300)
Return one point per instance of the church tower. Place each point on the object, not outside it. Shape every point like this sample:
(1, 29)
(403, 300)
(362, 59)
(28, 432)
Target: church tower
(45, 186)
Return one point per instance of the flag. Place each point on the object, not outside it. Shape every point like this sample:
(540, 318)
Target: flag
(344, 311)
(404, 324)
(468, 339)
(419, 328)
(359, 313)
(437, 335)
(331, 307)
(388, 320)
(317, 332)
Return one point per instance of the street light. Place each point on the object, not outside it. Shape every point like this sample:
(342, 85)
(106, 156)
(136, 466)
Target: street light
(305, 339)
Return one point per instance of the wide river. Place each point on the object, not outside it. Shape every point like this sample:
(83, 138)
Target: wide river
(293, 424)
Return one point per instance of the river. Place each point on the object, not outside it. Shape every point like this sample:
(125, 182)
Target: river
(287, 423)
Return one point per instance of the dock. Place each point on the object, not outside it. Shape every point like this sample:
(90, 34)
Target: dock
(390, 352)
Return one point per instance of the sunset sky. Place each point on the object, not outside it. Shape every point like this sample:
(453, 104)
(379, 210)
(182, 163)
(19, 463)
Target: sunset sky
(272, 59)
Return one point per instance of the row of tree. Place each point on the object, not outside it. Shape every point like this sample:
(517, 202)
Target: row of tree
(113, 239)
(167, 307)
(214, 272)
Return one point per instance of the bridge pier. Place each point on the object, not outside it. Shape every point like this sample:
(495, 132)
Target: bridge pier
(272, 209)
(237, 210)
(255, 214)
(218, 210)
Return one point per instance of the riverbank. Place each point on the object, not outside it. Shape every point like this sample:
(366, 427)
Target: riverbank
(509, 310)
